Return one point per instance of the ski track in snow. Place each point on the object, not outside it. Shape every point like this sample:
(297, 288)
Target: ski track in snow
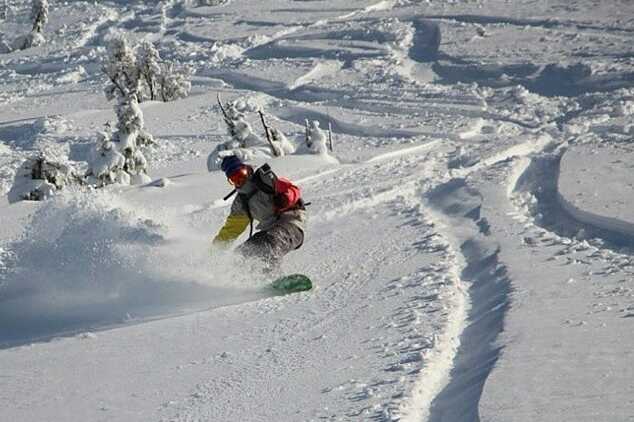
(321, 68)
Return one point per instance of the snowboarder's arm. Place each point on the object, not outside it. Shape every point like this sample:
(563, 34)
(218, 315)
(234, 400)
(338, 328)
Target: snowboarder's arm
(232, 229)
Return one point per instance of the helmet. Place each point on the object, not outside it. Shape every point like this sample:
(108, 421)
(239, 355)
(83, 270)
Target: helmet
(230, 163)
(236, 171)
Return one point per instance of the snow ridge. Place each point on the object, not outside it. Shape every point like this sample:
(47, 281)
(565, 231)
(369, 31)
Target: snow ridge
(439, 360)
(489, 287)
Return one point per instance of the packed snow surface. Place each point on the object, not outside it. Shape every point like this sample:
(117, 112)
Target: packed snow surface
(470, 234)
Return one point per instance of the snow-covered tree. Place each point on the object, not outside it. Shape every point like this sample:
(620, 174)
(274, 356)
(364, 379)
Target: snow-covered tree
(130, 137)
(174, 85)
(121, 68)
(149, 64)
(158, 79)
(106, 163)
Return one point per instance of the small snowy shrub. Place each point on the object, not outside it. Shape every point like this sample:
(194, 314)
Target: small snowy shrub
(107, 163)
(39, 14)
(281, 142)
(49, 169)
(239, 129)
(4, 45)
(243, 142)
(40, 178)
(53, 124)
(316, 138)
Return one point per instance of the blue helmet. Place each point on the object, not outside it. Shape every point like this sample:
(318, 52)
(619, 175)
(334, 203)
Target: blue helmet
(230, 164)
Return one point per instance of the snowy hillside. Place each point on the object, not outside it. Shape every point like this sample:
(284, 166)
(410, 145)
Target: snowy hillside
(470, 235)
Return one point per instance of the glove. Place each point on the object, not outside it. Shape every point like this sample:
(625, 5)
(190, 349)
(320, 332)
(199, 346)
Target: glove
(280, 201)
(220, 244)
(218, 247)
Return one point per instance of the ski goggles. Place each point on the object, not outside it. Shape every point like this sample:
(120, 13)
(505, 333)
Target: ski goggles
(239, 177)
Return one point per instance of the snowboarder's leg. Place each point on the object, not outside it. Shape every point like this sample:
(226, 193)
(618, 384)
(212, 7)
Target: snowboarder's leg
(271, 245)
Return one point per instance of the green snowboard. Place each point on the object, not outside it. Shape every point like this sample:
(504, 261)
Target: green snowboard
(291, 284)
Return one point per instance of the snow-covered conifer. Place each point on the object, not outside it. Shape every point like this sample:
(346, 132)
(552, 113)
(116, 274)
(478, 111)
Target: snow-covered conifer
(148, 61)
(130, 137)
(106, 163)
(174, 85)
(159, 80)
(121, 68)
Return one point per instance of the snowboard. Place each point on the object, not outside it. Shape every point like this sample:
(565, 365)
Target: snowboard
(292, 283)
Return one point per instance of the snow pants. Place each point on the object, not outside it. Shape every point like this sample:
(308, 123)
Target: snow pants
(271, 245)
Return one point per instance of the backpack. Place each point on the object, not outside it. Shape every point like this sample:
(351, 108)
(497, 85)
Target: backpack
(265, 181)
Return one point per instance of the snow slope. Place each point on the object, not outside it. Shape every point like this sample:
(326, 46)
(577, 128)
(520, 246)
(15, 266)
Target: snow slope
(470, 241)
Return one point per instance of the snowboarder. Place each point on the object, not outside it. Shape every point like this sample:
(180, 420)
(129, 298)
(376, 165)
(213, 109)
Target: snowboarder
(274, 202)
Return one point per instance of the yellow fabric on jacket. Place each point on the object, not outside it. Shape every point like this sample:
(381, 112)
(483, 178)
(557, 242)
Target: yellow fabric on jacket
(233, 228)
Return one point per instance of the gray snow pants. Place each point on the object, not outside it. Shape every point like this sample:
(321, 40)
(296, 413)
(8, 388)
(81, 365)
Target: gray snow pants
(271, 245)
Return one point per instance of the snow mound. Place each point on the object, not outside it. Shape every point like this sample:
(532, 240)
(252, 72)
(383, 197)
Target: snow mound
(594, 185)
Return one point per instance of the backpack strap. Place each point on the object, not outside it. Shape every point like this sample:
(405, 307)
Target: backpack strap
(265, 179)
(244, 198)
